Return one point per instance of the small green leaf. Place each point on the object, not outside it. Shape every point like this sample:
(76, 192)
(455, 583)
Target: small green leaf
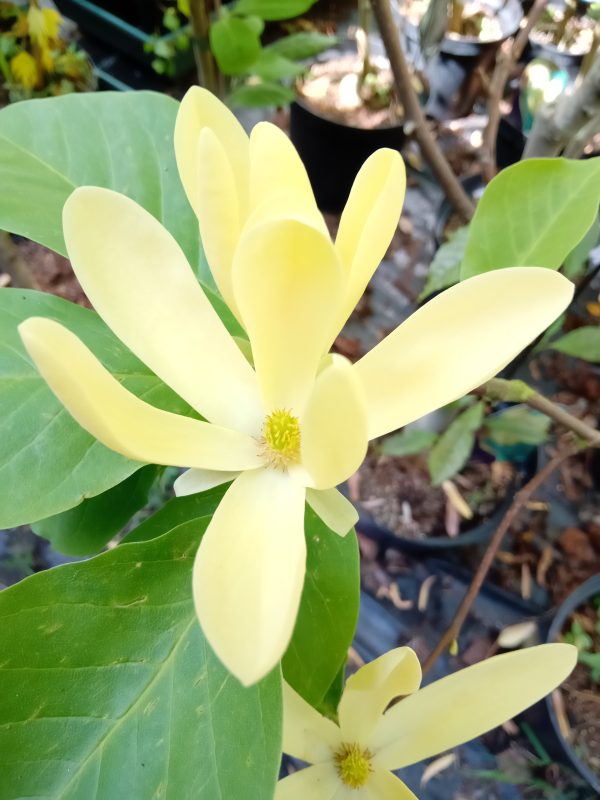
(109, 689)
(256, 24)
(444, 270)
(581, 343)
(518, 425)
(273, 9)
(299, 46)
(408, 442)
(454, 447)
(576, 262)
(533, 214)
(235, 44)
(273, 67)
(259, 95)
(85, 529)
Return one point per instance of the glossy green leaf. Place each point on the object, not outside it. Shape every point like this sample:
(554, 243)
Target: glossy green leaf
(533, 214)
(87, 528)
(109, 689)
(408, 442)
(452, 450)
(272, 67)
(48, 463)
(328, 611)
(123, 141)
(260, 95)
(273, 9)
(298, 46)
(444, 270)
(235, 44)
(582, 343)
(518, 425)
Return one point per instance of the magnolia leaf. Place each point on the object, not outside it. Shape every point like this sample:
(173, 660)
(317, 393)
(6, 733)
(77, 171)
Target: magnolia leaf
(272, 67)
(273, 9)
(518, 425)
(533, 214)
(299, 46)
(577, 260)
(408, 442)
(259, 95)
(122, 141)
(109, 689)
(85, 529)
(582, 343)
(48, 463)
(452, 450)
(444, 270)
(235, 44)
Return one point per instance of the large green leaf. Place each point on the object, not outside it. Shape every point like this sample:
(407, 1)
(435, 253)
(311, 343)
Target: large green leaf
(582, 343)
(123, 141)
(235, 44)
(305, 44)
(109, 689)
(533, 214)
(452, 450)
(85, 529)
(48, 463)
(273, 9)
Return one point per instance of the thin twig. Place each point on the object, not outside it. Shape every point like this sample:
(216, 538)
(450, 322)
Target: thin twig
(413, 112)
(520, 500)
(508, 56)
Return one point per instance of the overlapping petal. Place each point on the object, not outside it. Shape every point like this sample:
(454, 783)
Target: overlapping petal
(119, 419)
(139, 281)
(334, 425)
(371, 689)
(333, 508)
(249, 572)
(306, 734)
(320, 782)
(201, 480)
(468, 703)
(286, 280)
(457, 341)
(383, 785)
(368, 223)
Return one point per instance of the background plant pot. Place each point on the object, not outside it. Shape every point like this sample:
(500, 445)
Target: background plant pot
(579, 597)
(510, 143)
(563, 59)
(122, 36)
(333, 152)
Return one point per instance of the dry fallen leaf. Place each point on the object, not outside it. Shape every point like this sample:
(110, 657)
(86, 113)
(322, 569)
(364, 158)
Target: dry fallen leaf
(516, 635)
(435, 767)
(424, 591)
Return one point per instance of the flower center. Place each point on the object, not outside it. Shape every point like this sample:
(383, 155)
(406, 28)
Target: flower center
(353, 765)
(280, 440)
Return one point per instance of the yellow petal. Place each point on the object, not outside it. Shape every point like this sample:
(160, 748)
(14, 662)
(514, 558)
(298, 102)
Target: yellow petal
(201, 480)
(286, 279)
(249, 572)
(457, 341)
(333, 508)
(201, 109)
(334, 425)
(468, 703)
(139, 281)
(383, 785)
(287, 204)
(119, 419)
(371, 689)
(314, 783)
(368, 222)
(275, 165)
(218, 212)
(306, 734)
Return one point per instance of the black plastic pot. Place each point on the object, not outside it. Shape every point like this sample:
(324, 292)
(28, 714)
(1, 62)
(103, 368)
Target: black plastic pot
(562, 59)
(333, 153)
(121, 35)
(580, 596)
(510, 143)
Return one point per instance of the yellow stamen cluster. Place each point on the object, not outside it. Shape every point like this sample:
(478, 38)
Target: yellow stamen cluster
(280, 441)
(353, 765)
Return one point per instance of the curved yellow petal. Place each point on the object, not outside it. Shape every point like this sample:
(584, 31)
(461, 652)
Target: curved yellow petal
(119, 419)
(218, 212)
(285, 204)
(383, 785)
(368, 222)
(457, 341)
(313, 783)
(139, 281)
(333, 509)
(249, 572)
(334, 425)
(371, 689)
(201, 480)
(468, 703)
(275, 165)
(286, 280)
(201, 109)
(306, 734)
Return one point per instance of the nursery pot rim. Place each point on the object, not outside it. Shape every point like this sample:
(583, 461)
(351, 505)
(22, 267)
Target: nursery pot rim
(577, 598)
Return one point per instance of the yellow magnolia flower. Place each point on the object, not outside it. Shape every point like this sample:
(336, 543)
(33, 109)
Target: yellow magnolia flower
(25, 69)
(352, 760)
(296, 423)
